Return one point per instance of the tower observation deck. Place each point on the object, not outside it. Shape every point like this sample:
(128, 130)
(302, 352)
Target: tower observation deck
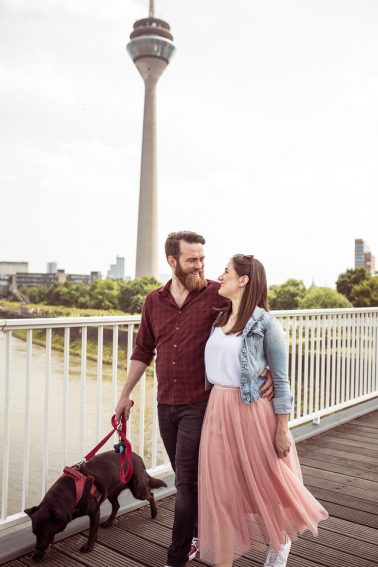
(151, 48)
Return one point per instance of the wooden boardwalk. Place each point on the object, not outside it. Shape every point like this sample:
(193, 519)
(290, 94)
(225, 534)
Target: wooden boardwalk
(340, 469)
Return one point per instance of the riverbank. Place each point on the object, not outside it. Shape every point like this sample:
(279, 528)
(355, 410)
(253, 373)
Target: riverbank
(15, 310)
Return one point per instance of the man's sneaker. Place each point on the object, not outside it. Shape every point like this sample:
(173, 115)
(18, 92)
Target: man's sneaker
(193, 549)
(278, 558)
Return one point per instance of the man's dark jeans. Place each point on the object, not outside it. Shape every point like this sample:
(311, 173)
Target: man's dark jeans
(180, 430)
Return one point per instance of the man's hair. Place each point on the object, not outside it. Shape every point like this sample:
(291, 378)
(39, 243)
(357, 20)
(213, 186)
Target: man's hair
(172, 244)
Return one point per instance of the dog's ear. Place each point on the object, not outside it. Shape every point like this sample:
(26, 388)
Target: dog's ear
(30, 511)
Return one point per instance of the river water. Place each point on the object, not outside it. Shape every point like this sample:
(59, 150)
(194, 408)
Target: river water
(55, 426)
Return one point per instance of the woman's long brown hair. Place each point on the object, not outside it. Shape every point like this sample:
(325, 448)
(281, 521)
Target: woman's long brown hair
(255, 292)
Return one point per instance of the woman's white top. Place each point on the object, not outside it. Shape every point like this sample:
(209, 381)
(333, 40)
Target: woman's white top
(222, 358)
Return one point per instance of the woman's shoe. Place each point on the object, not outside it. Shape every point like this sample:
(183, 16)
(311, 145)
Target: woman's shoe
(278, 558)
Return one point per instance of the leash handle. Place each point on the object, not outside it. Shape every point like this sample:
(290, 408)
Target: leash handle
(124, 475)
(120, 428)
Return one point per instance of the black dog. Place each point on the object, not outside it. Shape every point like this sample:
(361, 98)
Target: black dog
(60, 505)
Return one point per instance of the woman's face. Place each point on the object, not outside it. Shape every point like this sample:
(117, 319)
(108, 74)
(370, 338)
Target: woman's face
(230, 282)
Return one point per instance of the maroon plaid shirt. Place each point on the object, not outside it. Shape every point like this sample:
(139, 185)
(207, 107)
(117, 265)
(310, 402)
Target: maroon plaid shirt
(179, 336)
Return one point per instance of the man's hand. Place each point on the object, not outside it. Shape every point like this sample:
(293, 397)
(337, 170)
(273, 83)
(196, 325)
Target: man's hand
(267, 389)
(123, 407)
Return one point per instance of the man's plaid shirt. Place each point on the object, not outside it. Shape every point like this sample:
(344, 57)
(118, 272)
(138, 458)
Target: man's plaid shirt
(178, 335)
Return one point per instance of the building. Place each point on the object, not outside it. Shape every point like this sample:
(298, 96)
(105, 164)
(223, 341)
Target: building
(24, 280)
(51, 267)
(117, 270)
(151, 48)
(11, 268)
(363, 258)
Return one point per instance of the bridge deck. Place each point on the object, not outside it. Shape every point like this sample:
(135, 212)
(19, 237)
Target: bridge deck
(340, 469)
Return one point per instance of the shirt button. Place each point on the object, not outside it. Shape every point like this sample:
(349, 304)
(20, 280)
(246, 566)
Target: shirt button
(175, 380)
(179, 312)
(174, 362)
(244, 350)
(177, 328)
(245, 365)
(175, 346)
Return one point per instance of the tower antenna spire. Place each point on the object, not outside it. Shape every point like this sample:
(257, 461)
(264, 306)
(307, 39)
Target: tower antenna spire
(152, 8)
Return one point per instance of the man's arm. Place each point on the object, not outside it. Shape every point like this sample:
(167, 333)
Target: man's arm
(135, 373)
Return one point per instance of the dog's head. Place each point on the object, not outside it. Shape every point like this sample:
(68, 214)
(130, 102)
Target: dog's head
(46, 523)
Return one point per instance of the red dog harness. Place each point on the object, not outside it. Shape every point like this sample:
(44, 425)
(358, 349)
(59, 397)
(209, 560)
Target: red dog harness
(80, 479)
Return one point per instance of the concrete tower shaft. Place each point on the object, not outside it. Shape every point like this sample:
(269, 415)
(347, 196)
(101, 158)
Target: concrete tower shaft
(151, 48)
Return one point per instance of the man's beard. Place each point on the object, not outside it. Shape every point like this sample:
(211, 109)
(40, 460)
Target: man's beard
(190, 281)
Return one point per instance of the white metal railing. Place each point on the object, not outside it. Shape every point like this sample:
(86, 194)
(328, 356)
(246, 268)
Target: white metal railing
(57, 401)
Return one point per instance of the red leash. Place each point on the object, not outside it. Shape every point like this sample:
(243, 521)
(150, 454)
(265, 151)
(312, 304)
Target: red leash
(124, 448)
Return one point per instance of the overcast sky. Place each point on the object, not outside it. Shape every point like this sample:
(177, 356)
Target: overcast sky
(267, 132)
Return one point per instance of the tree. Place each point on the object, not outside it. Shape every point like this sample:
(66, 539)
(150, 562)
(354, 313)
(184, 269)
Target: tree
(323, 298)
(104, 294)
(133, 293)
(347, 280)
(365, 294)
(286, 295)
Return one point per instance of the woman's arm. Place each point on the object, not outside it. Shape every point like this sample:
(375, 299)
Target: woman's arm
(275, 351)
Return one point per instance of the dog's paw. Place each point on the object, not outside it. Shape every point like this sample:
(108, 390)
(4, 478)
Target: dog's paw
(86, 548)
(108, 524)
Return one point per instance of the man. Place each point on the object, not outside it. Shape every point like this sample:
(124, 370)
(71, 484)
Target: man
(176, 322)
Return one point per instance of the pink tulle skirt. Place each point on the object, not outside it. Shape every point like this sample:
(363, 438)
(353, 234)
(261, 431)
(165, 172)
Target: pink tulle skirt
(248, 497)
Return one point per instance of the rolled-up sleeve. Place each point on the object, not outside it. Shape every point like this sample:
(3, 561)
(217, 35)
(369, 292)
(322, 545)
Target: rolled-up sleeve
(275, 350)
(144, 349)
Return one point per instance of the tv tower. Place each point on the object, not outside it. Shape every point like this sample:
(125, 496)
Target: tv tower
(151, 48)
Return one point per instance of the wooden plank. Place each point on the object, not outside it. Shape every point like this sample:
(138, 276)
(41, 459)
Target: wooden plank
(100, 555)
(352, 448)
(352, 530)
(344, 480)
(308, 547)
(358, 430)
(370, 443)
(347, 488)
(359, 549)
(369, 420)
(337, 464)
(356, 516)
(348, 441)
(332, 450)
(340, 498)
(53, 558)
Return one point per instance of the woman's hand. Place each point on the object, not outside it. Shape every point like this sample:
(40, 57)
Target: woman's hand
(282, 442)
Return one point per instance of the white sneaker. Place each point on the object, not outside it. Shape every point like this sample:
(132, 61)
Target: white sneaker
(278, 558)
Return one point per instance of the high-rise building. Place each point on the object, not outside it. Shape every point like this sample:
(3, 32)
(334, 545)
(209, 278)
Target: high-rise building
(51, 267)
(117, 270)
(151, 48)
(363, 258)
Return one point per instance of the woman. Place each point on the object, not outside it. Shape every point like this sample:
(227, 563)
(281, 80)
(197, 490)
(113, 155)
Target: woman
(251, 491)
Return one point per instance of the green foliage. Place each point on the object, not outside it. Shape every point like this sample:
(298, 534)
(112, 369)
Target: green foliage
(286, 295)
(365, 294)
(323, 298)
(132, 293)
(35, 294)
(101, 294)
(347, 280)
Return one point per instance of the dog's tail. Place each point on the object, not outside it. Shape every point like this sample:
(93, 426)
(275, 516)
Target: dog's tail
(155, 482)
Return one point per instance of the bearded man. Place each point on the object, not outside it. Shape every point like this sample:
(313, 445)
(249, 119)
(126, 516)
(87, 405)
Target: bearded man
(176, 323)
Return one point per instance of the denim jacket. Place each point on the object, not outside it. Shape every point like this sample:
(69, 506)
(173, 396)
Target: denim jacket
(264, 344)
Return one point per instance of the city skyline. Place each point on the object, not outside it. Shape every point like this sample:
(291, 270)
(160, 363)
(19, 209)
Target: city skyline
(267, 133)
